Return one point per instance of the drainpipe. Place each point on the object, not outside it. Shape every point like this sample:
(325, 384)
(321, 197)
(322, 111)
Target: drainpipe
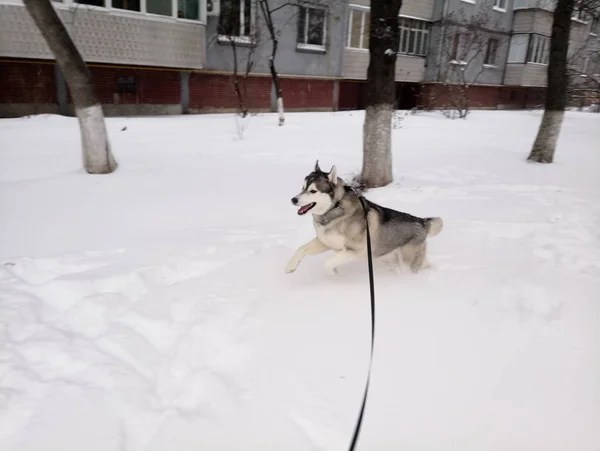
(510, 33)
(443, 32)
(441, 43)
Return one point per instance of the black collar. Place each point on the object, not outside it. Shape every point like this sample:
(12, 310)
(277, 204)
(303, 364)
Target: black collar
(329, 215)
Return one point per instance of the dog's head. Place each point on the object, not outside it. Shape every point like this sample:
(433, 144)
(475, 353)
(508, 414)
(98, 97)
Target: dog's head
(318, 192)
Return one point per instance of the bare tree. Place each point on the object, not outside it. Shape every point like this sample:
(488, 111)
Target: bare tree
(384, 38)
(97, 155)
(298, 10)
(467, 45)
(556, 98)
(583, 66)
(584, 77)
(267, 13)
(229, 29)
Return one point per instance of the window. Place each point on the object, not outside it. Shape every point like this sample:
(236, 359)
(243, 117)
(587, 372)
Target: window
(160, 7)
(311, 27)
(235, 18)
(500, 4)
(517, 52)
(586, 65)
(182, 9)
(91, 2)
(455, 47)
(129, 5)
(539, 49)
(490, 54)
(358, 34)
(188, 9)
(595, 26)
(414, 36)
(579, 14)
(547, 5)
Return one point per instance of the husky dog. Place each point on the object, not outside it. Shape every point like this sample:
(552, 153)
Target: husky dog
(339, 220)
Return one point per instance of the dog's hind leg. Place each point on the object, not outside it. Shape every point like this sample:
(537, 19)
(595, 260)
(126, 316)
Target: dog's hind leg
(414, 256)
(311, 248)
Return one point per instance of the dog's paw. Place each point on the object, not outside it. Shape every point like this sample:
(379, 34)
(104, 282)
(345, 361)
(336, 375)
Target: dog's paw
(291, 267)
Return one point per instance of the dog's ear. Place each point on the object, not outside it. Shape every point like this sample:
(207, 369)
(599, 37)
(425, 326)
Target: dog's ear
(332, 176)
(317, 168)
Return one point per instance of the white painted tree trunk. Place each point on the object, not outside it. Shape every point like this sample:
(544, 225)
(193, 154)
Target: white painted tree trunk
(280, 110)
(97, 156)
(547, 137)
(96, 152)
(377, 145)
(544, 146)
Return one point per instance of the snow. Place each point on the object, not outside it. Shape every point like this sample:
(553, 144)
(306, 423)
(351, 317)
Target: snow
(149, 309)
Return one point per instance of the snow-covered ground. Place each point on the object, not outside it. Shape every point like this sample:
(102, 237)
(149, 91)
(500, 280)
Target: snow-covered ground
(149, 309)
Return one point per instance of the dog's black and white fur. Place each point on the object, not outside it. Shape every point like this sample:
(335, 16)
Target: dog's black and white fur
(339, 222)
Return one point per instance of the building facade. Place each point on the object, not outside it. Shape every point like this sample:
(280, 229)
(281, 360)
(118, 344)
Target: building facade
(181, 56)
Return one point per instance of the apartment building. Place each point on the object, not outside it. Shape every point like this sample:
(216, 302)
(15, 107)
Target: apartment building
(178, 56)
(175, 56)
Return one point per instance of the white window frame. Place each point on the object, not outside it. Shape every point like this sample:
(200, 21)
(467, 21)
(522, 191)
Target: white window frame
(242, 38)
(498, 5)
(305, 45)
(422, 30)
(538, 51)
(472, 2)
(547, 5)
(362, 11)
(109, 9)
(579, 15)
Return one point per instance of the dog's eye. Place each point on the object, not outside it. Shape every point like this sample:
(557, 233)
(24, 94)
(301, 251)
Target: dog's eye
(313, 191)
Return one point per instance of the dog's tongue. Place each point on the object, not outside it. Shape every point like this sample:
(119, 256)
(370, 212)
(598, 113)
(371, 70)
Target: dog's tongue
(304, 209)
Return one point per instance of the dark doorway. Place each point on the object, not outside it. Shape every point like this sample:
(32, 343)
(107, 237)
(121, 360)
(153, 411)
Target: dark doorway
(407, 95)
(352, 95)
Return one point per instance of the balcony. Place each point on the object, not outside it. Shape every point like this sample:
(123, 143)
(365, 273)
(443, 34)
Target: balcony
(548, 5)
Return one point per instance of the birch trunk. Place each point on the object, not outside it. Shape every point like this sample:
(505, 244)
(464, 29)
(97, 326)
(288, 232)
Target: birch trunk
(97, 155)
(556, 98)
(384, 39)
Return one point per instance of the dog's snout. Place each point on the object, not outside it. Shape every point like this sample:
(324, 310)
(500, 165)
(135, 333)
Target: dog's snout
(294, 200)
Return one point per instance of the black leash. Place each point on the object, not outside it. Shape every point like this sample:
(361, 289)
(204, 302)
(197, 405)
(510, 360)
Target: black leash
(372, 288)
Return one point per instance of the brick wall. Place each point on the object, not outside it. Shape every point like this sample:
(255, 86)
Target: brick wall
(27, 83)
(438, 96)
(24, 83)
(151, 86)
(216, 91)
(307, 93)
(521, 97)
(350, 95)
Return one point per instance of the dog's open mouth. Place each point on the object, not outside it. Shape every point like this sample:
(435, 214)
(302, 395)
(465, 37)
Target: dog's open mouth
(304, 210)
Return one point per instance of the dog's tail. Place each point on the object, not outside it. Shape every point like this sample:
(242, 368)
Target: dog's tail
(433, 225)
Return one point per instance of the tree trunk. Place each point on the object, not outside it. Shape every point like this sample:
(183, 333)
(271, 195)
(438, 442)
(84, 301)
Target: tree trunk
(266, 11)
(381, 93)
(243, 110)
(97, 156)
(556, 99)
(276, 85)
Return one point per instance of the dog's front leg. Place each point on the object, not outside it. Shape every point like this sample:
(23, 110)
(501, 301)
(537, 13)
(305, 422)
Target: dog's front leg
(311, 248)
(342, 257)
